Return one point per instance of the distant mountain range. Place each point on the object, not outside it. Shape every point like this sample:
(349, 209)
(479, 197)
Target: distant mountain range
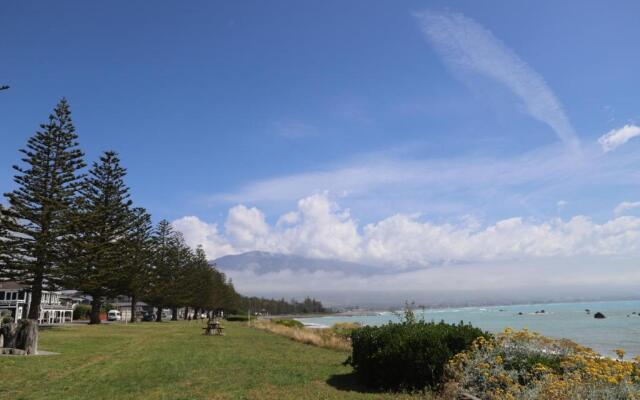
(340, 283)
(261, 262)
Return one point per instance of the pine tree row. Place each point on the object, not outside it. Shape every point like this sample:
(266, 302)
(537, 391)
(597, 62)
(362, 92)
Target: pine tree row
(65, 227)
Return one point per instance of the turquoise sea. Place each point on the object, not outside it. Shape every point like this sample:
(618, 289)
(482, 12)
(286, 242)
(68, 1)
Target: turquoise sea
(620, 328)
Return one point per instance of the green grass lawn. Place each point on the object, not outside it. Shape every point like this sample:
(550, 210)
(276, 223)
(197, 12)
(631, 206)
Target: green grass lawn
(173, 360)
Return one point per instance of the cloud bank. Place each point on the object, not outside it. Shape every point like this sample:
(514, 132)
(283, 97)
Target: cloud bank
(466, 45)
(319, 228)
(539, 279)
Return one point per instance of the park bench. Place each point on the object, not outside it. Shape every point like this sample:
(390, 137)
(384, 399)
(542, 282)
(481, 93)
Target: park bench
(213, 328)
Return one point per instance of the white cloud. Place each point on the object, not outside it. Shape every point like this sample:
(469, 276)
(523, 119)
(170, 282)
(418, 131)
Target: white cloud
(467, 45)
(626, 206)
(618, 137)
(246, 227)
(321, 229)
(198, 233)
(324, 231)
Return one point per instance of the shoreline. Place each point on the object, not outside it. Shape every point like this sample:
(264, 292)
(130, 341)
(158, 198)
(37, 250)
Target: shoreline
(380, 312)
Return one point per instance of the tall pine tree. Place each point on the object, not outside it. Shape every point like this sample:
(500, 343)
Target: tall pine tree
(165, 242)
(37, 223)
(177, 290)
(98, 249)
(136, 270)
(198, 281)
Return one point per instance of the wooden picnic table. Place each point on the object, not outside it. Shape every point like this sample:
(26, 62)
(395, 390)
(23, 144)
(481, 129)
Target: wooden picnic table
(214, 328)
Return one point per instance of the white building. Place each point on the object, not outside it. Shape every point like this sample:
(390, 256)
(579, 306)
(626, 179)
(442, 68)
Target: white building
(15, 300)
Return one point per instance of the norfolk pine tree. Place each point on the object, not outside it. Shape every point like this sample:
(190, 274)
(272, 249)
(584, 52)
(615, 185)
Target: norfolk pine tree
(164, 243)
(198, 281)
(136, 270)
(5, 251)
(37, 222)
(178, 285)
(99, 243)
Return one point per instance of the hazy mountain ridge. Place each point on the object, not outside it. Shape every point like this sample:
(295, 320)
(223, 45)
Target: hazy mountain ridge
(261, 262)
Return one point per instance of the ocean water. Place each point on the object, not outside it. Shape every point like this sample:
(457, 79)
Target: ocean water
(620, 328)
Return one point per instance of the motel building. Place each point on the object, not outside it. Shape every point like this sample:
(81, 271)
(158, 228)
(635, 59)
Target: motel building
(15, 300)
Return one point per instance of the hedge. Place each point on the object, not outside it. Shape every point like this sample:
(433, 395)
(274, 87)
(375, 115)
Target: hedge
(409, 355)
(241, 318)
(81, 311)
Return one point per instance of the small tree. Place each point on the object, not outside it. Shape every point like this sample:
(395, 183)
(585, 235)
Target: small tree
(37, 223)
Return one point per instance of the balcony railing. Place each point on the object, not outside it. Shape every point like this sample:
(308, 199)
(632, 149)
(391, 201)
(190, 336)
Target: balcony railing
(11, 303)
(57, 307)
(14, 303)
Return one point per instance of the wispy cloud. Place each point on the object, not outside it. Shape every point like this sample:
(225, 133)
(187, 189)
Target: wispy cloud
(625, 207)
(466, 45)
(293, 129)
(381, 184)
(618, 137)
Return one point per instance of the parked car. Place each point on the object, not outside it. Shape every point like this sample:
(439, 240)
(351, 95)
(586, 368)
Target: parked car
(114, 315)
(148, 316)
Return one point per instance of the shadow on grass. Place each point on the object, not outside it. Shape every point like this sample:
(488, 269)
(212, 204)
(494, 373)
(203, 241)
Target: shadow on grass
(349, 383)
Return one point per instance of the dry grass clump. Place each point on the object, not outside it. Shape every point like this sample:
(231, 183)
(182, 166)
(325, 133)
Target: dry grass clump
(316, 337)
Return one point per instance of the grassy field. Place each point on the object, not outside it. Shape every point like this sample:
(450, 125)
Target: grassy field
(173, 360)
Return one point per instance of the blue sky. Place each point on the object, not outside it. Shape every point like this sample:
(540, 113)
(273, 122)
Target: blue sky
(266, 125)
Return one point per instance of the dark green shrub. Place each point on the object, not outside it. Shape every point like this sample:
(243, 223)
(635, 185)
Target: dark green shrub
(81, 311)
(291, 323)
(241, 318)
(407, 356)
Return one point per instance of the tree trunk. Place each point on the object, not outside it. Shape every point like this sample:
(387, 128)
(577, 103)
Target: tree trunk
(134, 301)
(95, 310)
(174, 314)
(36, 299)
(159, 314)
(186, 313)
(8, 332)
(27, 336)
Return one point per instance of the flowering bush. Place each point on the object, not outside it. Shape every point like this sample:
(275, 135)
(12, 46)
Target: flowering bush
(525, 365)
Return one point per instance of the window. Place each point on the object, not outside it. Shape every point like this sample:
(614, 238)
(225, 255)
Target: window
(1, 295)
(21, 296)
(14, 295)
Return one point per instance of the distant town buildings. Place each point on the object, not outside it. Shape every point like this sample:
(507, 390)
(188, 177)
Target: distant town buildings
(15, 301)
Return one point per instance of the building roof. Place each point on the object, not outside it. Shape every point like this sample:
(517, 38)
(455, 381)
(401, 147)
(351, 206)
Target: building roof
(12, 285)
